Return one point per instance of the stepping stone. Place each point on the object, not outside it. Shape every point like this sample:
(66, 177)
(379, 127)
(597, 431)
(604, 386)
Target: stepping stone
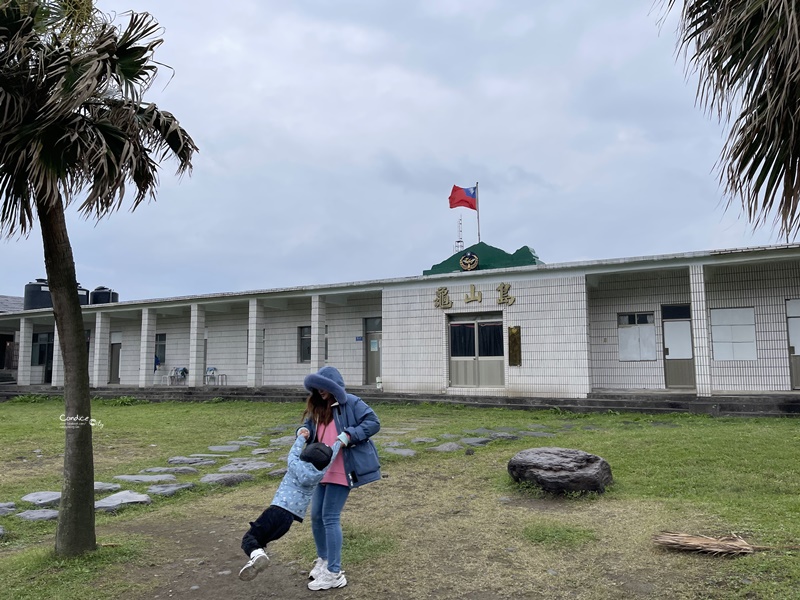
(168, 489)
(286, 440)
(447, 447)
(400, 451)
(229, 448)
(246, 466)
(258, 451)
(7, 508)
(394, 431)
(100, 487)
(539, 434)
(145, 478)
(477, 442)
(120, 499)
(393, 444)
(208, 456)
(178, 470)
(423, 440)
(185, 460)
(2, 532)
(481, 431)
(503, 435)
(43, 498)
(226, 478)
(278, 472)
(250, 437)
(244, 443)
(449, 436)
(41, 514)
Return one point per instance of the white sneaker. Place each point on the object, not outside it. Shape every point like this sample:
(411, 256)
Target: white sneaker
(257, 563)
(320, 565)
(328, 580)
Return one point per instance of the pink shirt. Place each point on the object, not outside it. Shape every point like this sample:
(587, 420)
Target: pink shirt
(335, 474)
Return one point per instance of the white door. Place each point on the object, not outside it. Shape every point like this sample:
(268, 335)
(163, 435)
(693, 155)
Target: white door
(678, 354)
(793, 324)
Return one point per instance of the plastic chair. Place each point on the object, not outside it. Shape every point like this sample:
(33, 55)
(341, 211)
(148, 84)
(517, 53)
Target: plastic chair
(211, 375)
(178, 376)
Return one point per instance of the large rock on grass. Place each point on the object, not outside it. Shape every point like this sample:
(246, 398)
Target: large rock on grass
(561, 470)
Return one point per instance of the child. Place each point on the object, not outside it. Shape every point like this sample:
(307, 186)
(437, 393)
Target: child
(305, 468)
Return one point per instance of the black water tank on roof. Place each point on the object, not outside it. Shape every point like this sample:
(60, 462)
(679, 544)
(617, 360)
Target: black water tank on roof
(37, 295)
(83, 295)
(103, 295)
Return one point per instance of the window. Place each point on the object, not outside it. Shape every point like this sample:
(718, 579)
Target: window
(42, 350)
(304, 344)
(161, 348)
(733, 333)
(637, 336)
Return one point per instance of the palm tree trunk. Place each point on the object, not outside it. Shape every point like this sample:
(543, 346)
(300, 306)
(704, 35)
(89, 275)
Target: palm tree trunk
(76, 526)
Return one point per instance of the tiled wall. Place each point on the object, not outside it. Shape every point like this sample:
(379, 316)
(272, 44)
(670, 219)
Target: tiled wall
(765, 288)
(346, 353)
(226, 345)
(627, 293)
(551, 313)
(414, 356)
(281, 366)
(345, 324)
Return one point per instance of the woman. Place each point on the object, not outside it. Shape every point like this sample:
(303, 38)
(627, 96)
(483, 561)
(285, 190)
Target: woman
(331, 413)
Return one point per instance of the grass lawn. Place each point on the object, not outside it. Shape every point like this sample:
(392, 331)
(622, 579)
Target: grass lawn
(444, 525)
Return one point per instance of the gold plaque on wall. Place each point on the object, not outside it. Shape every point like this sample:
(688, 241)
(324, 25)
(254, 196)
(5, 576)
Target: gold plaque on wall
(514, 347)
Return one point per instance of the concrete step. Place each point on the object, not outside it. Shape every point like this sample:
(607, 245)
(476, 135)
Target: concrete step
(762, 405)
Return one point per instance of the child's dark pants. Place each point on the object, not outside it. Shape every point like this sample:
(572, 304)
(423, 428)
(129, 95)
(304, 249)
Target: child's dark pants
(271, 525)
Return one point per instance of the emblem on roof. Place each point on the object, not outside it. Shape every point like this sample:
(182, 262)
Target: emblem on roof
(469, 262)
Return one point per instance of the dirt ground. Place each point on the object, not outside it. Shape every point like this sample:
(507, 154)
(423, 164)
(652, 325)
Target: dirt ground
(207, 564)
(200, 560)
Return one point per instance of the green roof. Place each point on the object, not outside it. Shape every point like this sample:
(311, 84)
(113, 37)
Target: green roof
(489, 257)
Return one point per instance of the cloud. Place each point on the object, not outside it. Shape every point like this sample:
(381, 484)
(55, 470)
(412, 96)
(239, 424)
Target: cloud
(330, 135)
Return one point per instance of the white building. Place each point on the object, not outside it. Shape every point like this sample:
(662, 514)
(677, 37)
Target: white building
(707, 322)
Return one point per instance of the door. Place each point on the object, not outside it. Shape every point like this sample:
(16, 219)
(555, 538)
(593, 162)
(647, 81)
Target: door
(793, 324)
(372, 348)
(678, 353)
(114, 354)
(477, 357)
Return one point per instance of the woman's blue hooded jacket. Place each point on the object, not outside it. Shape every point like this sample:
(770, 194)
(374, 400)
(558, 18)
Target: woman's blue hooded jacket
(353, 416)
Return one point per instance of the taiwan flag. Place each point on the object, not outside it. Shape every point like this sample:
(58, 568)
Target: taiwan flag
(466, 197)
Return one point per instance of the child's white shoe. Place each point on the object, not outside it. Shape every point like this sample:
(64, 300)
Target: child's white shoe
(257, 563)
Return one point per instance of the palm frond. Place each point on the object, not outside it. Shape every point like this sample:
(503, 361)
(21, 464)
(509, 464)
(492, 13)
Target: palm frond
(72, 119)
(747, 56)
(722, 546)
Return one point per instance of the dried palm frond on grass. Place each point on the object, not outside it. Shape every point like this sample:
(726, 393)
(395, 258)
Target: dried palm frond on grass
(729, 545)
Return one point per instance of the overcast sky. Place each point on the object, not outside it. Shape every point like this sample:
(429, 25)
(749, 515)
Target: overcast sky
(331, 133)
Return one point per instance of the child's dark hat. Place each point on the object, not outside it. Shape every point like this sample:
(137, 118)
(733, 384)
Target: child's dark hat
(317, 454)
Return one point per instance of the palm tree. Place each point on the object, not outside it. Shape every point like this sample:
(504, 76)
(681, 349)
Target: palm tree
(73, 124)
(747, 54)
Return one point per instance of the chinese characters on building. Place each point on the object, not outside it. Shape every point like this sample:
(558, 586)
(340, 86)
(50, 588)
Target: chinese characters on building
(443, 301)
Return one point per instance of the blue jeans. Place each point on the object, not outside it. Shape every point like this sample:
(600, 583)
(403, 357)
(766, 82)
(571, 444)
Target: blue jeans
(326, 511)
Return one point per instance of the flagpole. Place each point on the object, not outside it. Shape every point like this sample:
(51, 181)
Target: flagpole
(478, 210)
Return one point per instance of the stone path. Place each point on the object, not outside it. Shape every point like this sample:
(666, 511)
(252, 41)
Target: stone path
(164, 480)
